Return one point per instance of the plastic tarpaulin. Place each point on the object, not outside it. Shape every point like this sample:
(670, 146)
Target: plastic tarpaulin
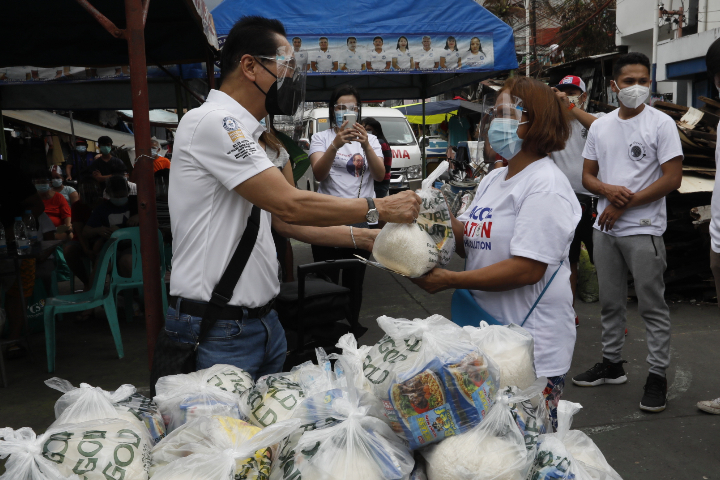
(437, 112)
(414, 20)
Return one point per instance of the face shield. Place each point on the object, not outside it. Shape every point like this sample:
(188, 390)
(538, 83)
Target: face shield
(498, 128)
(343, 109)
(288, 92)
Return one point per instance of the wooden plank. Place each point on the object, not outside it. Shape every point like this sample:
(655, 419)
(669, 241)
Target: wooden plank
(710, 101)
(697, 134)
(671, 106)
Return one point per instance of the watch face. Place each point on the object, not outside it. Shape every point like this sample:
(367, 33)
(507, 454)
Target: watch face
(372, 216)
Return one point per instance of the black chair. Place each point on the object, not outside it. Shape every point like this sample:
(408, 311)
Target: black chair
(313, 308)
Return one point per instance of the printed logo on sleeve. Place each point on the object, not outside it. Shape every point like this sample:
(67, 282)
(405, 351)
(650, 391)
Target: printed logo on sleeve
(637, 151)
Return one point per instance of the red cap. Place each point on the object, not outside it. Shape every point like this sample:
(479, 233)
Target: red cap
(571, 80)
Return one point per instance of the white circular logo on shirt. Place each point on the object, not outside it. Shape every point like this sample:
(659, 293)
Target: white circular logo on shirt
(230, 124)
(637, 151)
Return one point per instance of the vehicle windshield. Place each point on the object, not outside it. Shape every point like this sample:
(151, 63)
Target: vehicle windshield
(396, 130)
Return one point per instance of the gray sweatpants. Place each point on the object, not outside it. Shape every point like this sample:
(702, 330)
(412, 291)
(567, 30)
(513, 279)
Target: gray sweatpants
(645, 257)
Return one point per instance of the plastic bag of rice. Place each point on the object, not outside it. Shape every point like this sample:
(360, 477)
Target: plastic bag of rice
(415, 249)
(352, 357)
(511, 347)
(274, 398)
(86, 403)
(184, 397)
(236, 450)
(493, 450)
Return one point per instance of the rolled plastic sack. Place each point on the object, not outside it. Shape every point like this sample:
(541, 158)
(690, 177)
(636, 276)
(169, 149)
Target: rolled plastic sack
(184, 397)
(580, 446)
(87, 403)
(97, 450)
(415, 249)
(511, 347)
(493, 450)
(206, 435)
(242, 457)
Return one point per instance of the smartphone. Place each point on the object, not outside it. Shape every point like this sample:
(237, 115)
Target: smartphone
(351, 118)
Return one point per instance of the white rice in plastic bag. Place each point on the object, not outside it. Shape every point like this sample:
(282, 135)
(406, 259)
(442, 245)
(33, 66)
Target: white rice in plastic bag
(512, 348)
(274, 398)
(231, 379)
(406, 249)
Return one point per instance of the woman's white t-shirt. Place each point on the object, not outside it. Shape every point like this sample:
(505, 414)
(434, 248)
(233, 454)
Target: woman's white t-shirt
(452, 58)
(474, 59)
(279, 159)
(531, 215)
(403, 59)
(349, 175)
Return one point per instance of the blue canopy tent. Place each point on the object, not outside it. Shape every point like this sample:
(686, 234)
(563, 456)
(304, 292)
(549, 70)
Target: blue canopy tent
(440, 110)
(333, 19)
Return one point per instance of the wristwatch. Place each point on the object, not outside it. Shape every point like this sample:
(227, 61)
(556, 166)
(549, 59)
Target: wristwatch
(372, 215)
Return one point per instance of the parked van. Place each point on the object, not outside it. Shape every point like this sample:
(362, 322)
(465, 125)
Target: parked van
(406, 164)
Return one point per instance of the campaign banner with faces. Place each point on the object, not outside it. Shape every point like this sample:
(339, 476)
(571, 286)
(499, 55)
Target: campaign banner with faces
(335, 54)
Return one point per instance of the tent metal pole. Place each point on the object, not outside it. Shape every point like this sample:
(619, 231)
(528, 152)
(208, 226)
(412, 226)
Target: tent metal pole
(179, 102)
(210, 65)
(3, 143)
(147, 209)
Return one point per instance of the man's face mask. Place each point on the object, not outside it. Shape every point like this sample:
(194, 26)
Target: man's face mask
(288, 91)
(105, 149)
(577, 101)
(119, 202)
(57, 182)
(42, 187)
(154, 151)
(81, 148)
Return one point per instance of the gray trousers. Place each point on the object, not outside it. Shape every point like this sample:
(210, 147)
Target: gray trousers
(645, 257)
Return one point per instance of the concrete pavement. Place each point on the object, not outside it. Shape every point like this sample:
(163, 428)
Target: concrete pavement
(679, 443)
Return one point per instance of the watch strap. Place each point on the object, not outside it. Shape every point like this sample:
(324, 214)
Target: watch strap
(371, 203)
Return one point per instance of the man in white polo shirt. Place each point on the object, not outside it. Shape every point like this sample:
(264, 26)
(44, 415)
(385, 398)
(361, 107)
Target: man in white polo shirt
(323, 60)
(220, 170)
(571, 91)
(426, 58)
(636, 151)
(301, 57)
(378, 59)
(351, 59)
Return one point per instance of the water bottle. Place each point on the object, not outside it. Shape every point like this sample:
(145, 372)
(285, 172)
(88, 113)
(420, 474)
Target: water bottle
(21, 237)
(31, 226)
(3, 242)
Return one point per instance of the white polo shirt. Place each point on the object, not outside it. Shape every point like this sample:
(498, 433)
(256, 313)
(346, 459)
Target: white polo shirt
(324, 60)
(352, 60)
(301, 58)
(474, 60)
(378, 60)
(216, 150)
(426, 58)
(404, 59)
(452, 58)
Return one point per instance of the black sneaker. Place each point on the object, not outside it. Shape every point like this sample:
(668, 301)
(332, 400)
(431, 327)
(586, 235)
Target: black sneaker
(601, 373)
(655, 397)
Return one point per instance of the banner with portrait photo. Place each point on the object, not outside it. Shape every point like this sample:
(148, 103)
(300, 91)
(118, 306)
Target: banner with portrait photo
(393, 53)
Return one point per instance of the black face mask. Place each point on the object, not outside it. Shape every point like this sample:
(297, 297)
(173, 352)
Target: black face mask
(286, 99)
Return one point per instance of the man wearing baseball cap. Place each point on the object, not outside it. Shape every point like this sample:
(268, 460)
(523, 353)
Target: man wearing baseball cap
(571, 91)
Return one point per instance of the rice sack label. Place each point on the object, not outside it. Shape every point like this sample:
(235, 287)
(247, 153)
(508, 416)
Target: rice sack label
(107, 450)
(434, 218)
(145, 410)
(422, 408)
(273, 399)
(201, 405)
(390, 356)
(471, 387)
(231, 379)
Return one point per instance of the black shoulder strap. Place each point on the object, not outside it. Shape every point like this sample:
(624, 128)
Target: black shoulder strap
(223, 291)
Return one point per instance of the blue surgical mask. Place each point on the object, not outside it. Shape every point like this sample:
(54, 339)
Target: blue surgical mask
(42, 188)
(57, 182)
(503, 137)
(153, 151)
(105, 149)
(339, 118)
(119, 202)
(81, 148)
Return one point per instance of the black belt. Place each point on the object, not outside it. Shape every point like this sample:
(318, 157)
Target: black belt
(196, 308)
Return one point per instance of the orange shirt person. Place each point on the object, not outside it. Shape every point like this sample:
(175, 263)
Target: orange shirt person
(160, 163)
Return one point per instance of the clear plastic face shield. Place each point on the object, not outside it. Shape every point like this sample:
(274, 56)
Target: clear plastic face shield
(346, 111)
(498, 128)
(287, 94)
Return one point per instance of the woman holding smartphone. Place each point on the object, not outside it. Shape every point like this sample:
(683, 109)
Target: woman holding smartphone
(346, 160)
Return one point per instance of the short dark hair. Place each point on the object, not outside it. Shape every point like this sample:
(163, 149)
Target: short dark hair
(339, 92)
(322, 38)
(117, 184)
(381, 39)
(712, 58)
(251, 35)
(105, 140)
(297, 38)
(375, 125)
(632, 58)
(348, 40)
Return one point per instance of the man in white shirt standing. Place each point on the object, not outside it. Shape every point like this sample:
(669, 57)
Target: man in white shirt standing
(571, 91)
(351, 59)
(426, 58)
(220, 171)
(636, 151)
(323, 60)
(301, 57)
(712, 62)
(378, 59)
